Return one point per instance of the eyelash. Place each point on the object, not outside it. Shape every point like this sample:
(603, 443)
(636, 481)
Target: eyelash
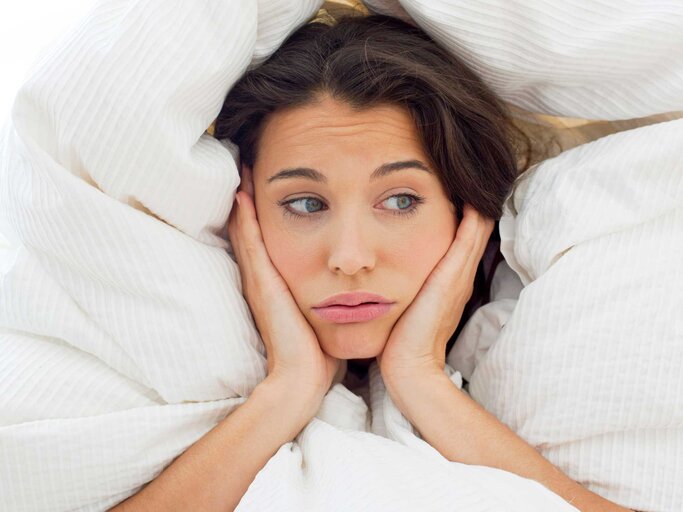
(417, 200)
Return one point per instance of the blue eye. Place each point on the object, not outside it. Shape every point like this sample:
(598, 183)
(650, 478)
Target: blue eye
(309, 204)
(403, 201)
(305, 206)
(407, 205)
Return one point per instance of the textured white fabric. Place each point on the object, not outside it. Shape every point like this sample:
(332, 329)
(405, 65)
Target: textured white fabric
(586, 366)
(369, 458)
(484, 326)
(123, 333)
(593, 59)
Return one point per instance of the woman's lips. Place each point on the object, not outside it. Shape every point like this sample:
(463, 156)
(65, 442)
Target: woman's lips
(347, 314)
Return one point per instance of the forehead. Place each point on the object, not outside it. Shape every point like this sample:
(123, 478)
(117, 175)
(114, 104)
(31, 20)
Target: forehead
(329, 129)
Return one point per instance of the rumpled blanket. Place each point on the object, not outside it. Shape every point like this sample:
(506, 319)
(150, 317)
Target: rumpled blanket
(124, 336)
(584, 363)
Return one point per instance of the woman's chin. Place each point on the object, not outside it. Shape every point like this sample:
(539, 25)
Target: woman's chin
(344, 353)
(346, 344)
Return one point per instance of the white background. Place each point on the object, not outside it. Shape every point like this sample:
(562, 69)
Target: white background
(27, 28)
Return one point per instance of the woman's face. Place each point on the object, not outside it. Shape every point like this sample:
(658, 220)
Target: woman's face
(343, 218)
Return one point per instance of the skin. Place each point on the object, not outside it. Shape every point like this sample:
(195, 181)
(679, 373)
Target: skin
(354, 237)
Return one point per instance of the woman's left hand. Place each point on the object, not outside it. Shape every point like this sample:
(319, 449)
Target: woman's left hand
(417, 343)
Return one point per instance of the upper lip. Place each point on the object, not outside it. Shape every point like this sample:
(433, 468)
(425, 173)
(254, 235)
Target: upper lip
(352, 299)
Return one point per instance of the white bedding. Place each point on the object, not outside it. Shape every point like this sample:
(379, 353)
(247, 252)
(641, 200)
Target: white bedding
(123, 333)
(586, 363)
(593, 59)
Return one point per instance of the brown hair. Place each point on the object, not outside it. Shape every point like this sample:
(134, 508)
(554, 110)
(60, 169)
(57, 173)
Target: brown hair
(370, 60)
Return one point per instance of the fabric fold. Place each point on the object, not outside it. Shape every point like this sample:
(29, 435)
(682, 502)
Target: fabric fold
(590, 59)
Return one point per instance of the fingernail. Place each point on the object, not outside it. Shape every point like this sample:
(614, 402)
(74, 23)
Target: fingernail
(237, 198)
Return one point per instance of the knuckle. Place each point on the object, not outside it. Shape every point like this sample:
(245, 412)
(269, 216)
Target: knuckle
(250, 250)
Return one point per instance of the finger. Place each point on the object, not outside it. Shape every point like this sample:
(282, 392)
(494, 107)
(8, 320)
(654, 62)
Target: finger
(467, 248)
(233, 229)
(251, 251)
(476, 221)
(245, 186)
(247, 183)
(246, 234)
(474, 230)
(230, 226)
(235, 206)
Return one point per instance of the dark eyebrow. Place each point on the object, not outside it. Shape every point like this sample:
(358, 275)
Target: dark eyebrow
(385, 169)
(381, 171)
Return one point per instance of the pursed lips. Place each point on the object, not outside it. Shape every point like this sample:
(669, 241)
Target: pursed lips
(355, 309)
(353, 299)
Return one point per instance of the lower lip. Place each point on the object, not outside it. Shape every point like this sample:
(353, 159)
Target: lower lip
(348, 314)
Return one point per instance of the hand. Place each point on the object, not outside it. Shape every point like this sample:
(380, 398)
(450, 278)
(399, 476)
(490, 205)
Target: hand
(417, 343)
(292, 347)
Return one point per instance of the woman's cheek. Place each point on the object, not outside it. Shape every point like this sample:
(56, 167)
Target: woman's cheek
(292, 257)
(425, 249)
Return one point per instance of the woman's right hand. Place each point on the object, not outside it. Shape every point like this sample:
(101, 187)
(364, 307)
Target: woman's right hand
(294, 354)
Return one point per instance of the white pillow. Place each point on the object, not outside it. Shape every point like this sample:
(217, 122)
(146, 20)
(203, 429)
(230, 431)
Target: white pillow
(591, 59)
(587, 366)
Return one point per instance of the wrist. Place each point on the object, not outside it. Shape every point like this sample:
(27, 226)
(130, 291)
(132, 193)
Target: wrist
(294, 398)
(408, 388)
(402, 378)
(399, 369)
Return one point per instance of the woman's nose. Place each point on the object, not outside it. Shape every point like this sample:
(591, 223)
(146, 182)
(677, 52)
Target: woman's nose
(351, 248)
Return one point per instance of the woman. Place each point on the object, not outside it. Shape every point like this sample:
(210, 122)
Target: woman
(373, 165)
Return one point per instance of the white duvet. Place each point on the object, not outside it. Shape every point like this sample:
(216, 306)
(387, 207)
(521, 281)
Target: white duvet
(123, 333)
(586, 363)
